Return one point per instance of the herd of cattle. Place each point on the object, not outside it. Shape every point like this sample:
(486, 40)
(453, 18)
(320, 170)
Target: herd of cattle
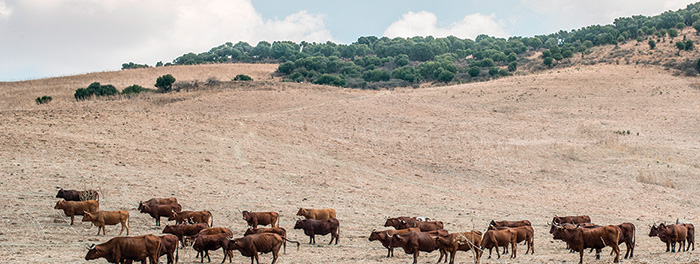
(413, 234)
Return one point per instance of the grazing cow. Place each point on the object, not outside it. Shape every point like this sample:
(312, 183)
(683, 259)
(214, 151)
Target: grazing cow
(525, 233)
(579, 238)
(168, 246)
(192, 217)
(204, 243)
(460, 241)
(77, 196)
(500, 238)
(691, 235)
(120, 249)
(181, 231)
(250, 245)
(510, 223)
(385, 238)
(401, 222)
(72, 208)
(159, 210)
(275, 230)
(318, 214)
(670, 234)
(313, 227)
(627, 235)
(415, 241)
(261, 218)
(102, 218)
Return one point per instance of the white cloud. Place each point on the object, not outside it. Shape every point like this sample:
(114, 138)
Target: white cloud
(426, 24)
(59, 37)
(577, 14)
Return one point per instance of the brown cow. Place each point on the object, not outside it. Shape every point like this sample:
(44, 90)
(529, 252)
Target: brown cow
(152, 201)
(192, 217)
(73, 195)
(275, 230)
(525, 233)
(670, 234)
(250, 245)
(401, 222)
(385, 238)
(500, 238)
(318, 214)
(426, 226)
(510, 223)
(415, 241)
(691, 235)
(460, 241)
(73, 208)
(210, 231)
(159, 210)
(579, 238)
(628, 235)
(578, 219)
(313, 227)
(120, 249)
(181, 231)
(102, 218)
(168, 246)
(204, 243)
(261, 218)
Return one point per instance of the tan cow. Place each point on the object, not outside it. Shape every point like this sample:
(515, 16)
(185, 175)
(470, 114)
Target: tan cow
(318, 214)
(72, 208)
(102, 218)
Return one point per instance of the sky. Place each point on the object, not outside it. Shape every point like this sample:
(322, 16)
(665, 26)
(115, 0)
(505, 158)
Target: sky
(49, 38)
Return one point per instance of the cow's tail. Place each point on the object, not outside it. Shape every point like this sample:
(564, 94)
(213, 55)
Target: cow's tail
(212, 220)
(158, 250)
(634, 235)
(177, 252)
(291, 241)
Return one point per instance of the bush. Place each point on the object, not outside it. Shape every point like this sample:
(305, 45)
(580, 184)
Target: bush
(376, 75)
(242, 77)
(95, 89)
(165, 83)
(445, 76)
(331, 79)
(43, 100)
(548, 61)
(513, 66)
(134, 89)
(493, 71)
(406, 73)
(474, 71)
(652, 44)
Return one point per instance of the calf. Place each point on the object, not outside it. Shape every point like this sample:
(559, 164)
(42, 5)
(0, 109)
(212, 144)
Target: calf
(192, 217)
(670, 234)
(159, 210)
(500, 238)
(275, 230)
(72, 208)
(464, 241)
(102, 218)
(204, 243)
(415, 241)
(120, 249)
(250, 245)
(261, 218)
(579, 238)
(510, 223)
(525, 233)
(318, 214)
(168, 246)
(313, 227)
(385, 238)
(181, 231)
(73, 195)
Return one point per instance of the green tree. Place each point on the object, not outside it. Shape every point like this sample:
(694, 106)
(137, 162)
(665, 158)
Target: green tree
(331, 79)
(286, 67)
(689, 45)
(445, 76)
(422, 52)
(134, 89)
(401, 60)
(165, 83)
(474, 71)
(493, 71)
(696, 26)
(242, 77)
(672, 33)
(376, 75)
(513, 66)
(548, 61)
(680, 45)
(406, 73)
(652, 44)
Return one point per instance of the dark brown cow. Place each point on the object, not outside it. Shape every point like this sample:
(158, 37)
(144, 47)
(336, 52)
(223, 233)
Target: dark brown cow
(192, 217)
(181, 231)
(500, 238)
(385, 238)
(159, 210)
(313, 227)
(275, 230)
(510, 223)
(525, 233)
(168, 246)
(670, 234)
(691, 235)
(460, 241)
(261, 218)
(120, 249)
(415, 241)
(318, 214)
(73, 195)
(204, 243)
(578, 219)
(628, 235)
(152, 201)
(579, 238)
(426, 226)
(102, 218)
(250, 245)
(210, 231)
(72, 208)
(401, 222)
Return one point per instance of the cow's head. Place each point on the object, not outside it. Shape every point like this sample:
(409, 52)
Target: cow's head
(299, 224)
(302, 212)
(87, 216)
(391, 222)
(250, 231)
(168, 229)
(144, 208)
(375, 235)
(234, 243)
(493, 223)
(95, 252)
(60, 193)
(60, 205)
(173, 215)
(247, 215)
(141, 207)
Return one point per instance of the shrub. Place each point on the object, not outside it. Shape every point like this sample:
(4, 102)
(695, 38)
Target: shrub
(652, 44)
(242, 77)
(513, 66)
(134, 89)
(95, 89)
(474, 71)
(165, 83)
(43, 100)
(406, 73)
(331, 79)
(548, 61)
(445, 76)
(376, 75)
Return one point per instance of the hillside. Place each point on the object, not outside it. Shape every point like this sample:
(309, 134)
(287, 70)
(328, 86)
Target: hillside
(520, 147)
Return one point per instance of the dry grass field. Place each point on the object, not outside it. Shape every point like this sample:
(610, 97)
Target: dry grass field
(523, 147)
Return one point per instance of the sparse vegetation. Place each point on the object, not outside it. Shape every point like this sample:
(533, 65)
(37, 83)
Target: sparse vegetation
(43, 99)
(242, 77)
(134, 89)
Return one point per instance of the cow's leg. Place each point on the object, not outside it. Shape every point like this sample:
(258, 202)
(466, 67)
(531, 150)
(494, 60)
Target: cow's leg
(415, 256)
(505, 249)
(497, 253)
(490, 252)
(616, 248)
(71, 220)
(275, 254)
(515, 249)
(597, 253)
(581, 256)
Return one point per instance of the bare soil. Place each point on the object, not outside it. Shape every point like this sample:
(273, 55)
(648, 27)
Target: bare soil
(523, 147)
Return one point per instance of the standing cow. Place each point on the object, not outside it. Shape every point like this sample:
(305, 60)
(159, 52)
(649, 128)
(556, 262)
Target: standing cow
(385, 238)
(261, 218)
(159, 210)
(120, 249)
(464, 241)
(670, 234)
(500, 238)
(72, 208)
(318, 214)
(416, 241)
(579, 238)
(314, 227)
(524, 233)
(253, 244)
(102, 218)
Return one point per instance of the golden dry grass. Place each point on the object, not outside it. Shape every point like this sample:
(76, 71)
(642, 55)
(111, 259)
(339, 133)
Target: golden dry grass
(525, 147)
